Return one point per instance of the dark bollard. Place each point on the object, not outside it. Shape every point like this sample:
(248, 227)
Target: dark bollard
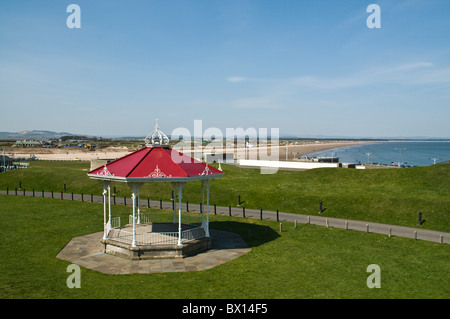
(420, 218)
(92, 198)
(62, 195)
(278, 219)
(215, 212)
(260, 214)
(82, 198)
(15, 190)
(148, 202)
(125, 201)
(24, 192)
(239, 200)
(72, 195)
(160, 203)
(114, 199)
(20, 184)
(52, 194)
(42, 193)
(7, 191)
(243, 211)
(114, 190)
(320, 208)
(201, 208)
(33, 192)
(187, 207)
(229, 210)
(173, 204)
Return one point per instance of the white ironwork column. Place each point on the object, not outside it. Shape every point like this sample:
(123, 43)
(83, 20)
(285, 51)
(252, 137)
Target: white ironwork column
(175, 207)
(138, 205)
(105, 228)
(203, 204)
(133, 197)
(207, 209)
(109, 205)
(180, 196)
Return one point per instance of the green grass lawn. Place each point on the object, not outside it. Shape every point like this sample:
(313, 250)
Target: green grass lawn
(392, 196)
(307, 262)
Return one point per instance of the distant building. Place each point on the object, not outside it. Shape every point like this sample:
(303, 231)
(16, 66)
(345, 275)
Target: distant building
(7, 163)
(319, 159)
(222, 158)
(32, 143)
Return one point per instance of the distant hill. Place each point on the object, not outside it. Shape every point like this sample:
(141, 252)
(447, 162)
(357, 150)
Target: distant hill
(33, 134)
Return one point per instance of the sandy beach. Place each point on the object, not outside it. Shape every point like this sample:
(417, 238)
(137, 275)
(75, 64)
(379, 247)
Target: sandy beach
(70, 154)
(295, 149)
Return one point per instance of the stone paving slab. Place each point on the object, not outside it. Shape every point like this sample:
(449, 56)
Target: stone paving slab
(87, 251)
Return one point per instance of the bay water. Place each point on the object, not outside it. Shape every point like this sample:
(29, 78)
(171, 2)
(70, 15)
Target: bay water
(404, 153)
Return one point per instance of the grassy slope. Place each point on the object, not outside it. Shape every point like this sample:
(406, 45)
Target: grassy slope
(393, 196)
(307, 262)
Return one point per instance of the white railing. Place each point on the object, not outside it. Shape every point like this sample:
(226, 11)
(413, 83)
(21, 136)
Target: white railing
(192, 234)
(161, 238)
(115, 222)
(165, 218)
(152, 218)
(121, 235)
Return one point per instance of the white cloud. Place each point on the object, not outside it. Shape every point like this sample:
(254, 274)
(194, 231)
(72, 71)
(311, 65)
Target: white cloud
(441, 76)
(303, 90)
(402, 74)
(234, 79)
(330, 84)
(404, 67)
(263, 102)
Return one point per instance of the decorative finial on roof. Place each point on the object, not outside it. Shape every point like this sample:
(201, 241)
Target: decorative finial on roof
(156, 137)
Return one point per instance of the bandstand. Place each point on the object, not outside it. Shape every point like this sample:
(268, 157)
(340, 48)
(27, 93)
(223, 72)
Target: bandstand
(145, 237)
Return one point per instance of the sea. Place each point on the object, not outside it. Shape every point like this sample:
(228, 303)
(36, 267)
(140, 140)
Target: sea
(397, 153)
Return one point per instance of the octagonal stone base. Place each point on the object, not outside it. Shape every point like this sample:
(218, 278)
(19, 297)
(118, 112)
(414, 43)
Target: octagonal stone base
(141, 252)
(88, 251)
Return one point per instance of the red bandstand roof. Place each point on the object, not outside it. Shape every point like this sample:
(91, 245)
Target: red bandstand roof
(156, 163)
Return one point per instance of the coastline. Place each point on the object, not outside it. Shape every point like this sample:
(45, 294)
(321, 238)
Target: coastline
(294, 150)
(304, 149)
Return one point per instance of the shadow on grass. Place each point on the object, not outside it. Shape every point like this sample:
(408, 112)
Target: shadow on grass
(254, 235)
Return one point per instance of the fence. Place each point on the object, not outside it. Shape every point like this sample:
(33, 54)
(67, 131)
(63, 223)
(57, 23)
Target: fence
(164, 217)
(416, 233)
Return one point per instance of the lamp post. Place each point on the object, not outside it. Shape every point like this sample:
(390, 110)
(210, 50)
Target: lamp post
(434, 160)
(400, 149)
(4, 161)
(368, 157)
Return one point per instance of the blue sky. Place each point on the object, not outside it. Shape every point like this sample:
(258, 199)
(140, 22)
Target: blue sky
(306, 67)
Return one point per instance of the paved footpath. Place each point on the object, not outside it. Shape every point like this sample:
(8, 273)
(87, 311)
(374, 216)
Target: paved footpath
(313, 219)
